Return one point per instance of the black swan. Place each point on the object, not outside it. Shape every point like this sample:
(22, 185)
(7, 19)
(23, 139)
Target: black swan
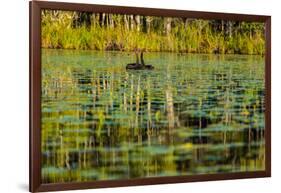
(139, 65)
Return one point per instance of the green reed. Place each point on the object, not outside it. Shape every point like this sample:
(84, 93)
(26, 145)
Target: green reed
(198, 36)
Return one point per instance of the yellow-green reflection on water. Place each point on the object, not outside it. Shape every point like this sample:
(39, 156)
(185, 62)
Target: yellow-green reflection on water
(193, 114)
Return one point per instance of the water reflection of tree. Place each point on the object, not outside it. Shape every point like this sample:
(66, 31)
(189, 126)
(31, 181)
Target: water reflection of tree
(120, 124)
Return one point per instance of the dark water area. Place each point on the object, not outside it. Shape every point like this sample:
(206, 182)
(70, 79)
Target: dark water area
(193, 114)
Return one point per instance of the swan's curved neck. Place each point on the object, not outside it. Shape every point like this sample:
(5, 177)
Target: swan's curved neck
(141, 56)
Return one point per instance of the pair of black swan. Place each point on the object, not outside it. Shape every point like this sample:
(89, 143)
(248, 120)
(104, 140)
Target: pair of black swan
(139, 65)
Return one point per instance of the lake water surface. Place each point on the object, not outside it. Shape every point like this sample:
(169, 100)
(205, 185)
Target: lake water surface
(192, 114)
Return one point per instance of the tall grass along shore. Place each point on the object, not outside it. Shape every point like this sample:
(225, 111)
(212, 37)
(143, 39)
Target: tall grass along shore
(100, 31)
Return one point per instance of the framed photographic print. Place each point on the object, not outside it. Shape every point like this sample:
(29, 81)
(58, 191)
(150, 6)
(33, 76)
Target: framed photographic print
(123, 96)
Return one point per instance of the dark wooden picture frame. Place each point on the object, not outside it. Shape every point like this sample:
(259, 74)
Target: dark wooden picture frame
(35, 95)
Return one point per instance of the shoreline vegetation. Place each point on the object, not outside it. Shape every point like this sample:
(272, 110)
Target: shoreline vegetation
(111, 32)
